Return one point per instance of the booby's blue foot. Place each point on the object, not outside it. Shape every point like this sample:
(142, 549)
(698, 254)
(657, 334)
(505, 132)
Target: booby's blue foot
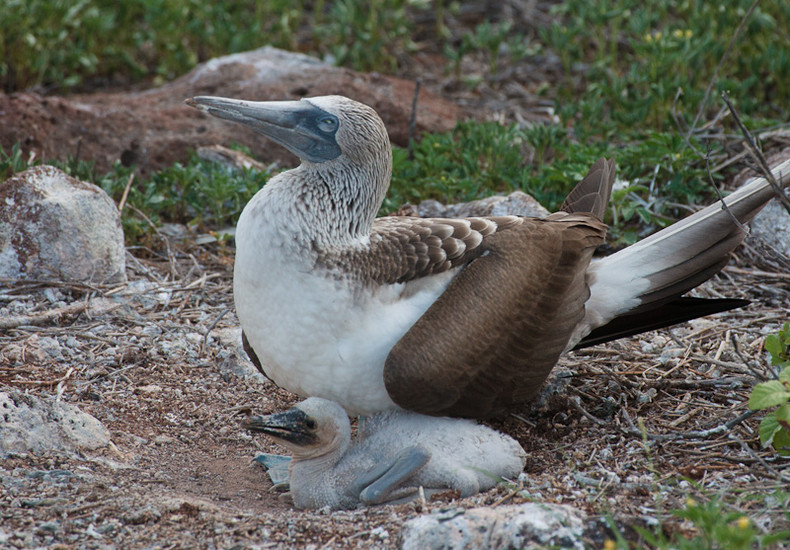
(277, 468)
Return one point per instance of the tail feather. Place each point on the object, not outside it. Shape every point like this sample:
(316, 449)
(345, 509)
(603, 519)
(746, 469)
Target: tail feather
(671, 313)
(592, 194)
(660, 268)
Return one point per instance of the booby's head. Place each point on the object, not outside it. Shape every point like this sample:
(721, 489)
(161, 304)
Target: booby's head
(317, 130)
(313, 428)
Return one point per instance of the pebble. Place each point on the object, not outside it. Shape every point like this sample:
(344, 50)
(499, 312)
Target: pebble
(49, 528)
(150, 389)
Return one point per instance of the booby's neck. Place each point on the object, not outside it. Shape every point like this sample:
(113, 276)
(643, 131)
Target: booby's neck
(328, 205)
(329, 453)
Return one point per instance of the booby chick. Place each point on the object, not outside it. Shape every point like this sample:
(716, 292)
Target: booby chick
(448, 317)
(395, 453)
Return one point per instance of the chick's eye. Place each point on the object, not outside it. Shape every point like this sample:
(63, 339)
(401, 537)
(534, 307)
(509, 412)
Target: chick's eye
(310, 423)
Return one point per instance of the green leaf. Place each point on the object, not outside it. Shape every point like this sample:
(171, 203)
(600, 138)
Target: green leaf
(784, 375)
(768, 428)
(783, 416)
(773, 345)
(772, 538)
(782, 442)
(768, 394)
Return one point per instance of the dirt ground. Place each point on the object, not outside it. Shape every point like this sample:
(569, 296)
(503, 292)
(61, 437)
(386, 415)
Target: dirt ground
(156, 361)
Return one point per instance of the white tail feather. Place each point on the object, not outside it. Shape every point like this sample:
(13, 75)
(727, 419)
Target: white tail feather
(675, 259)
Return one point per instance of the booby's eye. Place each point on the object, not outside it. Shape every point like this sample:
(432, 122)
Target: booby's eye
(327, 124)
(310, 423)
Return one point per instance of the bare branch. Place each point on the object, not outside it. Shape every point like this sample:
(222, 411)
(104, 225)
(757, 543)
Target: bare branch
(757, 155)
(413, 119)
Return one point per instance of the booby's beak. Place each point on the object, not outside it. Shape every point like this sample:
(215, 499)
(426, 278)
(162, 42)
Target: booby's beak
(299, 126)
(294, 426)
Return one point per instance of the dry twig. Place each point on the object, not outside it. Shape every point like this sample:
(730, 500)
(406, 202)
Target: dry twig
(43, 317)
(413, 119)
(757, 155)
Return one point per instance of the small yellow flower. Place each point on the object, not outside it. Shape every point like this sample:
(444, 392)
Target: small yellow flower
(657, 36)
(690, 502)
(609, 544)
(648, 38)
(742, 522)
(688, 33)
(677, 33)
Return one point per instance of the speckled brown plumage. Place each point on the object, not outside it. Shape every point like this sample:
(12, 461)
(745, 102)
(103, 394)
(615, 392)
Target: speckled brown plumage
(404, 248)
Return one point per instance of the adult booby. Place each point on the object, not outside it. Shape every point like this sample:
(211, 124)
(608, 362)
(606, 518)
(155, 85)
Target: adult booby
(396, 452)
(457, 317)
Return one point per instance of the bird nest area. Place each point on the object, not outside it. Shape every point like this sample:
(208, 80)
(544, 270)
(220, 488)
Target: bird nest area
(627, 430)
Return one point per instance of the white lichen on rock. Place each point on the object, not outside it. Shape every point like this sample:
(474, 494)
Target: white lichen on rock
(32, 424)
(53, 226)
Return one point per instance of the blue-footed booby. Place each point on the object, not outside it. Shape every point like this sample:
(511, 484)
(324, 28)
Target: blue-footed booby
(446, 317)
(396, 452)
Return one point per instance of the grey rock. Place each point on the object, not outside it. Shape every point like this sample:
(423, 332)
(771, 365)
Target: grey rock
(50, 528)
(233, 361)
(51, 346)
(525, 526)
(32, 424)
(772, 226)
(517, 203)
(144, 514)
(55, 226)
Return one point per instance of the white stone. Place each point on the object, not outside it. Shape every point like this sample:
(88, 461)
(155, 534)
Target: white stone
(32, 424)
(772, 226)
(54, 226)
(527, 526)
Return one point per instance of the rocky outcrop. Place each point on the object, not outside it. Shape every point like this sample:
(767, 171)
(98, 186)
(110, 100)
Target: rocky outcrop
(53, 226)
(516, 203)
(154, 128)
(33, 424)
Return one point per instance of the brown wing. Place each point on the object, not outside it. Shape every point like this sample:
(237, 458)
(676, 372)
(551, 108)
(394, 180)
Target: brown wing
(493, 336)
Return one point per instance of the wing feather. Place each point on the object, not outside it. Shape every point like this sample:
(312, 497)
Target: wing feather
(491, 338)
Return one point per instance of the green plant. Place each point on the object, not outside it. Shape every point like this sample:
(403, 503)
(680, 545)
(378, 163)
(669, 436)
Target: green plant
(627, 60)
(717, 526)
(64, 45)
(775, 427)
(490, 38)
(366, 36)
(12, 162)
